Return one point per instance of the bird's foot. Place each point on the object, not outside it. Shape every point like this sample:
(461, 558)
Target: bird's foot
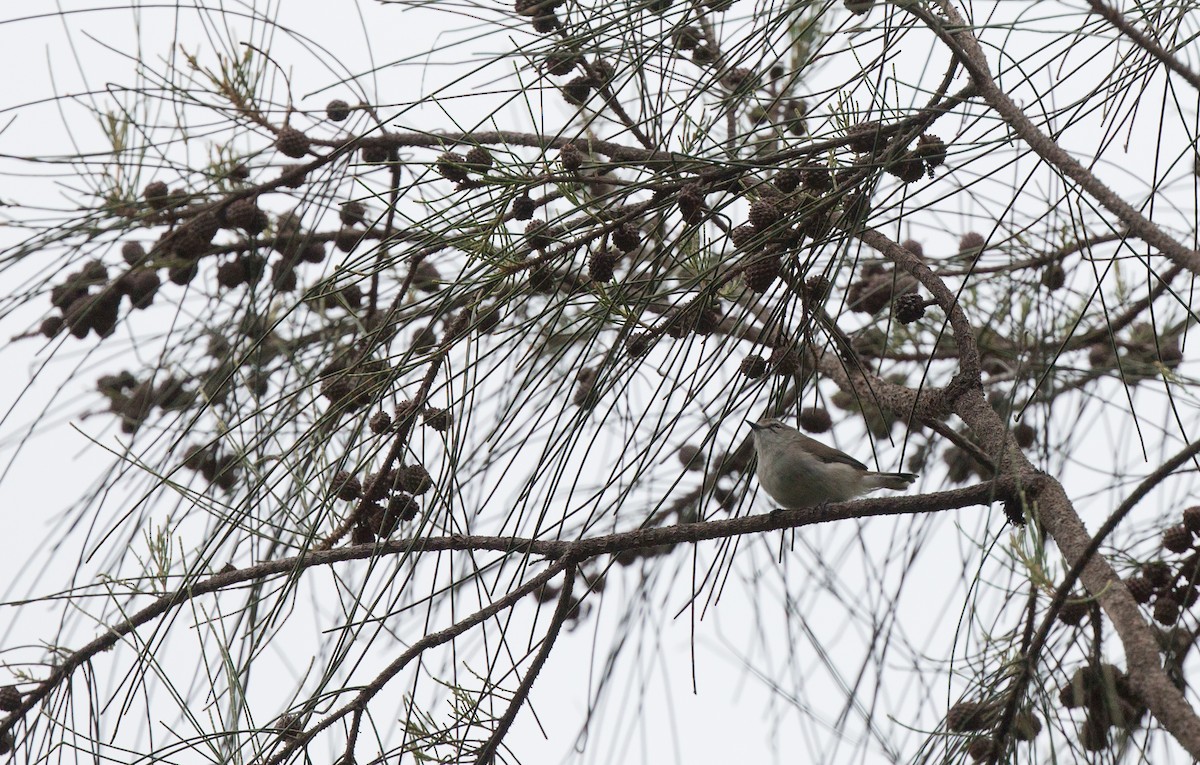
(819, 508)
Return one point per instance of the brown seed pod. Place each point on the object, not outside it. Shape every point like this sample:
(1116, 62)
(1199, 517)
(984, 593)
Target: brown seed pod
(1014, 511)
(415, 479)
(577, 90)
(754, 366)
(382, 520)
(380, 422)
(745, 237)
(403, 507)
(981, 748)
(571, 157)
(488, 318)
(537, 235)
(687, 38)
(971, 243)
(815, 419)
(1073, 612)
(1177, 539)
(345, 486)
(238, 172)
(451, 166)
(184, 274)
(691, 457)
(291, 142)
(639, 344)
(865, 137)
(691, 203)
(376, 151)
(1157, 572)
(909, 308)
(379, 484)
(522, 207)
(346, 239)
(932, 150)
(738, 78)
(193, 239)
(95, 312)
(1186, 595)
(352, 213)
(292, 176)
(545, 23)
(704, 54)
(561, 62)
(156, 195)
(1166, 610)
(283, 276)
(764, 213)
(787, 179)
(908, 168)
(1191, 519)
(337, 110)
(627, 237)
(857, 206)
(438, 419)
(785, 361)
(10, 699)
(540, 278)
(760, 271)
(231, 274)
(479, 159)
(915, 247)
(1054, 277)
(702, 316)
(141, 287)
(51, 326)
(1024, 434)
(362, 534)
(819, 288)
(1026, 725)
(245, 214)
(969, 716)
(601, 264)
(817, 179)
(1140, 588)
(424, 339)
(133, 253)
(870, 294)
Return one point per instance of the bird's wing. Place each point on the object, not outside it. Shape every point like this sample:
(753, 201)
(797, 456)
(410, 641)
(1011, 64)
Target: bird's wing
(829, 455)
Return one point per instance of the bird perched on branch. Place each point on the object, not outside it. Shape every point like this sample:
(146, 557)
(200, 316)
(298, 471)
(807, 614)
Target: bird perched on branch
(799, 472)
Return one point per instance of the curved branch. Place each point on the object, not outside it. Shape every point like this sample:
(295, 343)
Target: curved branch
(359, 704)
(488, 752)
(955, 32)
(968, 352)
(1114, 17)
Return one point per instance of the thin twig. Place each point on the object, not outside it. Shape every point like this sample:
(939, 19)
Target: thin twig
(488, 751)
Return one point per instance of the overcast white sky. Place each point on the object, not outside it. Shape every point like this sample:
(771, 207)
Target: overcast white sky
(729, 715)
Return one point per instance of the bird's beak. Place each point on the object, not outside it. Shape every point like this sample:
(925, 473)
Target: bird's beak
(753, 425)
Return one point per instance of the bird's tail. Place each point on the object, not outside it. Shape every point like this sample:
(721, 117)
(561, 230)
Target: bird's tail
(897, 481)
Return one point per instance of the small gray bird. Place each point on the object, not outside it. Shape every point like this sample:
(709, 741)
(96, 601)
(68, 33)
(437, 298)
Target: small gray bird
(799, 472)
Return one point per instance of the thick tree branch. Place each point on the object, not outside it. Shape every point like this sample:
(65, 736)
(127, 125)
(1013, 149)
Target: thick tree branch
(578, 550)
(1029, 664)
(956, 32)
